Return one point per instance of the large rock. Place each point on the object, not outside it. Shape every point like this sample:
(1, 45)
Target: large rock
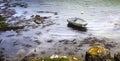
(98, 53)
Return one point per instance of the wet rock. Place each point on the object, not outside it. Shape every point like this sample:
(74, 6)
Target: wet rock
(1, 56)
(38, 19)
(117, 56)
(20, 4)
(5, 1)
(55, 13)
(38, 42)
(43, 52)
(16, 43)
(27, 45)
(98, 53)
(7, 12)
(49, 41)
(0, 40)
(20, 54)
(110, 45)
(23, 4)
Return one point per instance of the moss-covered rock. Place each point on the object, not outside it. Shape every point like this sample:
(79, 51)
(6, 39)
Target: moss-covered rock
(98, 53)
(4, 26)
(117, 57)
(56, 58)
(2, 18)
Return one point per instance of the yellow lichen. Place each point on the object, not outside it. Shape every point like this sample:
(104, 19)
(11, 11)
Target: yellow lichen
(96, 50)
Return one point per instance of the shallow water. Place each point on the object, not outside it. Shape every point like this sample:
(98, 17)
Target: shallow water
(101, 17)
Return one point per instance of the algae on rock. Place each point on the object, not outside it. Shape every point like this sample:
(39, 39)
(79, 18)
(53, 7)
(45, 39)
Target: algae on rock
(4, 26)
(117, 56)
(98, 53)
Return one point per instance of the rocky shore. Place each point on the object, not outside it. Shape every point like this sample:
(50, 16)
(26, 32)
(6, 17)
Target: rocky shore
(39, 28)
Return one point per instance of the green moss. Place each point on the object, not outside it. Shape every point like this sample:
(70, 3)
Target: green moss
(59, 58)
(2, 18)
(4, 26)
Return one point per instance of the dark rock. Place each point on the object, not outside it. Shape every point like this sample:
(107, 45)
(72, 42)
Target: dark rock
(49, 41)
(117, 56)
(38, 42)
(55, 13)
(0, 40)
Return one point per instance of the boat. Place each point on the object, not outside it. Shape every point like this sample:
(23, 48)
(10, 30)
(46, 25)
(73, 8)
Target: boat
(77, 23)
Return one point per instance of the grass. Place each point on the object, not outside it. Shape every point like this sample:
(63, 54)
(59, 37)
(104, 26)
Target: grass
(57, 58)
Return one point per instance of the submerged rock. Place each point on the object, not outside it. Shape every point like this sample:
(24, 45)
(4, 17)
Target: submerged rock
(98, 53)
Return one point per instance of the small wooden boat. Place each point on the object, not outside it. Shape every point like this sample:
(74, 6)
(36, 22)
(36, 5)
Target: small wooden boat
(77, 23)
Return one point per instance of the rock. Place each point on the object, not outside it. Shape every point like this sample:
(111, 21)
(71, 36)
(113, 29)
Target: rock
(98, 53)
(38, 19)
(117, 56)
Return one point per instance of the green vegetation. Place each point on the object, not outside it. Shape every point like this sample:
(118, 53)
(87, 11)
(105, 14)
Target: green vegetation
(57, 58)
(4, 26)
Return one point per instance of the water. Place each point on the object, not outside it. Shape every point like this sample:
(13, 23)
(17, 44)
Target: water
(101, 15)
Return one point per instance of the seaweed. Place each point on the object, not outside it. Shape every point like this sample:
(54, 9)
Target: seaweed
(4, 26)
(2, 18)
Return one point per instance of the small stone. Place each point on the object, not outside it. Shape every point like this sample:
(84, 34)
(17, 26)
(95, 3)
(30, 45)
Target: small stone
(49, 41)
(55, 13)
(38, 19)
(43, 52)
(38, 42)
(0, 40)
(27, 45)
